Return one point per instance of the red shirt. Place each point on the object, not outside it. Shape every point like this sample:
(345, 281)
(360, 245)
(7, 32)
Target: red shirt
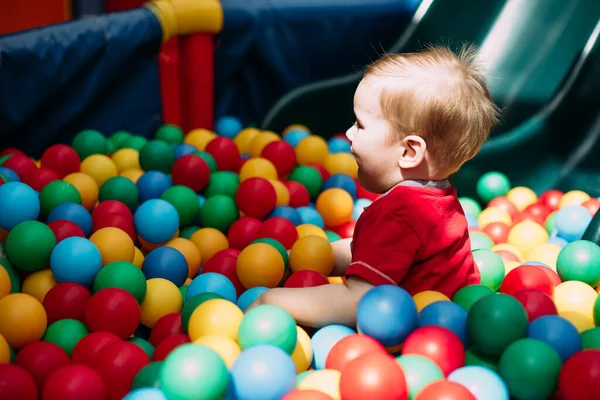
(417, 238)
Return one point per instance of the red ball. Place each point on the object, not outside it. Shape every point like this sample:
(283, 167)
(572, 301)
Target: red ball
(111, 207)
(538, 210)
(438, 344)
(191, 171)
(345, 230)
(225, 152)
(114, 220)
(503, 203)
(536, 303)
(298, 394)
(552, 276)
(61, 159)
(40, 359)
(282, 155)
(63, 229)
(167, 325)
(362, 193)
(305, 278)
(256, 197)
(170, 343)
(592, 205)
(281, 229)
(224, 263)
(506, 255)
(66, 300)
(16, 383)
(113, 310)
(322, 171)
(373, 376)
(118, 363)
(349, 349)
(21, 164)
(86, 350)
(73, 382)
(38, 178)
(299, 196)
(551, 198)
(497, 231)
(444, 390)
(580, 376)
(243, 232)
(11, 151)
(523, 216)
(526, 277)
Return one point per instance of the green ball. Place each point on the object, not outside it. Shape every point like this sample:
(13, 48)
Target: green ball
(579, 261)
(29, 245)
(118, 138)
(183, 291)
(157, 155)
(208, 158)
(275, 243)
(123, 275)
(56, 193)
(15, 280)
(170, 133)
(468, 295)
(491, 268)
(121, 189)
(480, 240)
(470, 206)
(496, 321)
(4, 158)
(492, 185)
(309, 177)
(134, 142)
(185, 201)
(89, 142)
(332, 236)
(267, 324)
(219, 212)
(550, 224)
(590, 339)
(303, 375)
(188, 231)
(530, 369)
(222, 182)
(193, 371)
(144, 345)
(66, 333)
(110, 147)
(192, 304)
(476, 358)
(148, 376)
(419, 372)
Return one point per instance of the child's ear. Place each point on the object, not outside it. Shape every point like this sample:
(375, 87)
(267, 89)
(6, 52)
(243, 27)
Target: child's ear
(412, 151)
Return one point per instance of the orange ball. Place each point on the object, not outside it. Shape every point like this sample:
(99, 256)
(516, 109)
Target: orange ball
(190, 252)
(209, 241)
(114, 245)
(312, 253)
(23, 319)
(335, 206)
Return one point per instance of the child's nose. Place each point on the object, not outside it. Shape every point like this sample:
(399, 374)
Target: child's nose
(350, 133)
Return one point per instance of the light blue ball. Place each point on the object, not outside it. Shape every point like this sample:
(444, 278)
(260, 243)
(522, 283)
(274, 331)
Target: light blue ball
(249, 296)
(557, 240)
(482, 382)
(212, 282)
(338, 145)
(156, 221)
(359, 207)
(287, 212)
(310, 215)
(75, 213)
(472, 221)
(262, 372)
(145, 394)
(18, 203)
(184, 149)
(152, 184)
(572, 221)
(167, 263)
(537, 263)
(228, 126)
(341, 181)
(324, 339)
(75, 259)
(557, 332)
(9, 174)
(294, 137)
(447, 315)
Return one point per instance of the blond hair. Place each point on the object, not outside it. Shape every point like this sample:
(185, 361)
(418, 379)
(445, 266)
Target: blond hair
(440, 96)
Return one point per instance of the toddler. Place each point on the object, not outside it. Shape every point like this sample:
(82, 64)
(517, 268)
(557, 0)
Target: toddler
(419, 117)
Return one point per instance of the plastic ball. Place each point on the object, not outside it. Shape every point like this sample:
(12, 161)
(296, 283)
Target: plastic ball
(134, 142)
(323, 341)
(350, 348)
(41, 359)
(86, 186)
(497, 231)
(209, 241)
(113, 310)
(219, 212)
(184, 149)
(305, 278)
(310, 215)
(39, 178)
(166, 347)
(590, 339)
(575, 302)
(557, 332)
(66, 333)
(427, 297)
(419, 372)
(312, 253)
(120, 189)
(312, 149)
(162, 298)
(260, 264)
(491, 215)
(244, 138)
(156, 221)
(438, 344)
(442, 389)
(526, 236)
(5, 282)
(89, 142)
(573, 197)
(592, 205)
(580, 376)
(249, 296)
(225, 153)
(325, 382)
(170, 133)
(63, 229)
(167, 263)
(16, 383)
(270, 325)
(211, 282)
(86, 350)
(222, 182)
(483, 383)
(99, 167)
(282, 155)
(76, 259)
(294, 136)
(256, 197)
(191, 171)
(126, 159)
(19, 163)
(191, 305)
(491, 268)
(335, 206)
(580, 261)
(122, 275)
(152, 184)
(302, 354)
(66, 301)
(480, 240)
(526, 277)
(168, 325)
(157, 155)
(491, 185)
(75, 213)
(29, 245)
(18, 203)
(38, 284)
(308, 177)
(447, 315)
(536, 303)
(572, 221)
(260, 141)
(114, 245)
(224, 263)
(215, 317)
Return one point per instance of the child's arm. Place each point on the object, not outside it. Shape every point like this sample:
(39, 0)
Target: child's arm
(343, 256)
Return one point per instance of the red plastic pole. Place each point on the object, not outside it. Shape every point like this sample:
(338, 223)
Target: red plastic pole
(170, 84)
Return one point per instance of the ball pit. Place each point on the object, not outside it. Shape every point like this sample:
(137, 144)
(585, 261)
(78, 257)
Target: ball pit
(129, 263)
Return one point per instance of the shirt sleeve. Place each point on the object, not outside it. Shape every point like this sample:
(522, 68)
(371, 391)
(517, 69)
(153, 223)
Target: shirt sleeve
(383, 249)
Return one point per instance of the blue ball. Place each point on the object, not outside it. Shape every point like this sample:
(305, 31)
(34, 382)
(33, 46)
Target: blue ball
(18, 203)
(145, 393)
(557, 332)
(447, 315)
(294, 137)
(212, 282)
(75, 213)
(75, 259)
(537, 263)
(338, 145)
(9, 174)
(388, 313)
(341, 181)
(359, 207)
(152, 184)
(156, 221)
(262, 372)
(324, 339)
(557, 240)
(572, 221)
(167, 263)
(482, 382)
(184, 149)
(249, 296)
(228, 126)
(287, 212)
(310, 215)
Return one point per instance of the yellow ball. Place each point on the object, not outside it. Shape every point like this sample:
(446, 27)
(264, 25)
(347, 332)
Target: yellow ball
(126, 159)
(244, 138)
(336, 279)
(511, 248)
(215, 317)
(303, 353)
(573, 197)
(574, 301)
(325, 381)
(510, 265)
(199, 138)
(114, 245)
(162, 297)
(342, 163)
(133, 174)
(260, 264)
(335, 206)
(23, 319)
(209, 241)
(86, 186)
(310, 229)
(38, 284)
(138, 258)
(5, 285)
(493, 214)
(294, 127)
(190, 252)
(312, 150)
(312, 253)
(224, 346)
(521, 197)
(526, 236)
(4, 351)
(282, 193)
(100, 167)
(259, 142)
(425, 298)
(258, 167)
(546, 253)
